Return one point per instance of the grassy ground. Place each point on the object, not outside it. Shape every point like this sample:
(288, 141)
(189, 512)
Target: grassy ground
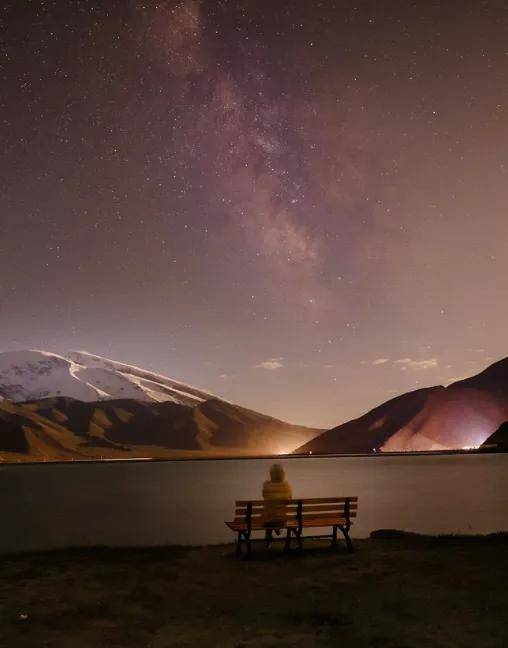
(392, 593)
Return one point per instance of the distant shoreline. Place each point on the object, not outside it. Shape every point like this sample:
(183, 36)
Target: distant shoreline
(279, 457)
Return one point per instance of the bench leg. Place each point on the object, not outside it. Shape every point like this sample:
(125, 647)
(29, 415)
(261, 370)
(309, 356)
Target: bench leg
(249, 548)
(299, 538)
(287, 545)
(334, 537)
(243, 536)
(238, 550)
(349, 544)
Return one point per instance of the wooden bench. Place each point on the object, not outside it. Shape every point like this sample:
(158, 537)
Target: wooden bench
(294, 516)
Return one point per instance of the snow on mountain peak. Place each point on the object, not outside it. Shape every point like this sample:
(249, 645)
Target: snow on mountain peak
(33, 374)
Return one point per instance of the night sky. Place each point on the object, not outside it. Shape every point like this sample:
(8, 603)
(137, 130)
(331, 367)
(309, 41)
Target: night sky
(300, 206)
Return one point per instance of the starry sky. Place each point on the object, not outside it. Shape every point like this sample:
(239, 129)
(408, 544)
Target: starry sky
(299, 206)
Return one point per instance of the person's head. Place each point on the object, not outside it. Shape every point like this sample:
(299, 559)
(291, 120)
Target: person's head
(277, 473)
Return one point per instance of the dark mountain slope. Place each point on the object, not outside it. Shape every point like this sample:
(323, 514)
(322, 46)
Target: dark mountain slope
(498, 440)
(372, 430)
(459, 416)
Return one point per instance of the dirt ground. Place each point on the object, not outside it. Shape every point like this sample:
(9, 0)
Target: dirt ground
(392, 593)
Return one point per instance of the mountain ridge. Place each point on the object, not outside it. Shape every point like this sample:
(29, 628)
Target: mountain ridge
(463, 414)
(83, 406)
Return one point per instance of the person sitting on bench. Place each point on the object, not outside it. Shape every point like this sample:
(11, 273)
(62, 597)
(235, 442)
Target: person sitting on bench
(276, 488)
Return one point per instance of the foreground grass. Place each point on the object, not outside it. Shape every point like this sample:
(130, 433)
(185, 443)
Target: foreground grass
(392, 593)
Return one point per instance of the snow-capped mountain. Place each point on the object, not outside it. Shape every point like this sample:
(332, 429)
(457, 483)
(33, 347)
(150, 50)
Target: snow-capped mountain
(82, 406)
(31, 375)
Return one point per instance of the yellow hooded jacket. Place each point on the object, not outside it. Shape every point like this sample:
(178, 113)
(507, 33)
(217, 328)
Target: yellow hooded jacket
(276, 488)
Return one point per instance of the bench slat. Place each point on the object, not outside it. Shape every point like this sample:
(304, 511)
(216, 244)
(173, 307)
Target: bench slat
(294, 502)
(311, 514)
(260, 509)
(324, 516)
(293, 517)
(283, 513)
(317, 523)
(261, 503)
(328, 500)
(327, 507)
(242, 510)
(322, 522)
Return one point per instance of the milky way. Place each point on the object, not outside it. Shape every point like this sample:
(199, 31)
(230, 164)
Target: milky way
(300, 206)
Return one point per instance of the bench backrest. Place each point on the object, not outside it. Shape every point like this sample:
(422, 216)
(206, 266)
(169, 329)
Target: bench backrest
(310, 509)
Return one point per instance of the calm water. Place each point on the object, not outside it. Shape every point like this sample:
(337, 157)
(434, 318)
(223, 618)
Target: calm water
(186, 502)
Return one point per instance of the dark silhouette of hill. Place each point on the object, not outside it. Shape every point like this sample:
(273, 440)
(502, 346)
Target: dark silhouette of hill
(498, 440)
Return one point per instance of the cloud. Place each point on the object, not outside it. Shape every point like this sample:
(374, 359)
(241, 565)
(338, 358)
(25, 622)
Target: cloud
(408, 363)
(416, 365)
(271, 363)
(429, 363)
